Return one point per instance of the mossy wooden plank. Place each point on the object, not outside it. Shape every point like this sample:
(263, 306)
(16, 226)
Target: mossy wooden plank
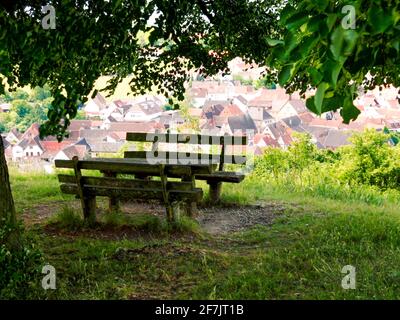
(166, 157)
(222, 176)
(124, 166)
(132, 193)
(125, 183)
(186, 138)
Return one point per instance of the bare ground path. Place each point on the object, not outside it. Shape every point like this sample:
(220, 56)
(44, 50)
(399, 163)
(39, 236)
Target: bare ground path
(215, 220)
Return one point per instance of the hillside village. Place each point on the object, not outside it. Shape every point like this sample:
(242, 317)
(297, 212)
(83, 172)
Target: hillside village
(219, 106)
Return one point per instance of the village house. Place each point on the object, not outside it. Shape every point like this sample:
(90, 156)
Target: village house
(264, 140)
(198, 96)
(13, 137)
(241, 102)
(5, 107)
(145, 111)
(95, 106)
(99, 135)
(241, 125)
(121, 128)
(7, 148)
(231, 110)
(261, 117)
(27, 148)
(280, 132)
(77, 125)
(52, 148)
(69, 152)
(292, 108)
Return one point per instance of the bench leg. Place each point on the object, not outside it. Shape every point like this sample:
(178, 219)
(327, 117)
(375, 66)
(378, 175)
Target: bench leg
(215, 191)
(191, 208)
(89, 211)
(176, 209)
(113, 203)
(170, 213)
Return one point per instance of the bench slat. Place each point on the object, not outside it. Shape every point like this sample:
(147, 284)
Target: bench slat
(124, 166)
(125, 183)
(186, 138)
(164, 156)
(221, 176)
(133, 193)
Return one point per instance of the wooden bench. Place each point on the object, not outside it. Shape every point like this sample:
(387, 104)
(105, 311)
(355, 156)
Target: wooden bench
(218, 157)
(176, 195)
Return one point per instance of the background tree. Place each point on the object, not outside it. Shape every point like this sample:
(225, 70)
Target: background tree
(95, 38)
(304, 45)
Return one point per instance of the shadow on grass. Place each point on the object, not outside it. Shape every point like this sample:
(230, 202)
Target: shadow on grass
(69, 220)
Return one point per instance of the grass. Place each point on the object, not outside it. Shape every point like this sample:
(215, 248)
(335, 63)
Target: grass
(299, 257)
(70, 219)
(30, 189)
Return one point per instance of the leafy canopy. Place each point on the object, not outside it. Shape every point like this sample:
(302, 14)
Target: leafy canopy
(325, 47)
(94, 38)
(302, 42)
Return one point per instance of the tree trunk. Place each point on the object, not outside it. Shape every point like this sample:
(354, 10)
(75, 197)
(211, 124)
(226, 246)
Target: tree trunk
(7, 208)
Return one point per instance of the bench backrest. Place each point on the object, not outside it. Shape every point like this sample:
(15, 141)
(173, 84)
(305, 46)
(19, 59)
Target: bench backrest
(174, 140)
(123, 166)
(84, 186)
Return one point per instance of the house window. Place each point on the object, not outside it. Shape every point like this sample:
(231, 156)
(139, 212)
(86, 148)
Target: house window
(31, 154)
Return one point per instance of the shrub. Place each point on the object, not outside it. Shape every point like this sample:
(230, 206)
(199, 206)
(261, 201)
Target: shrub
(368, 170)
(20, 263)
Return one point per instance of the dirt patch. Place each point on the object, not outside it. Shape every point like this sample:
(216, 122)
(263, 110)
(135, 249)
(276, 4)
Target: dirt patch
(215, 220)
(219, 219)
(233, 218)
(40, 213)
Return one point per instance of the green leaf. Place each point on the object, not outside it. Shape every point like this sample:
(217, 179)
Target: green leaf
(331, 70)
(321, 4)
(297, 20)
(274, 42)
(379, 19)
(95, 92)
(315, 75)
(285, 74)
(337, 41)
(350, 37)
(330, 20)
(311, 105)
(319, 96)
(349, 111)
(395, 43)
(286, 13)
(314, 23)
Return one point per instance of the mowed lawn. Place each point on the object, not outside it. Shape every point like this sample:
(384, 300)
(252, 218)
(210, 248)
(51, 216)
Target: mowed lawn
(300, 256)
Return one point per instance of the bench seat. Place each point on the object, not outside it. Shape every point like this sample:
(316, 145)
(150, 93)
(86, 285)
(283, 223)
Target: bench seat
(175, 195)
(221, 176)
(133, 193)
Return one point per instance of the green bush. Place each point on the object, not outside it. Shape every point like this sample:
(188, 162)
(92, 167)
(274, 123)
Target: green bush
(20, 263)
(366, 170)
